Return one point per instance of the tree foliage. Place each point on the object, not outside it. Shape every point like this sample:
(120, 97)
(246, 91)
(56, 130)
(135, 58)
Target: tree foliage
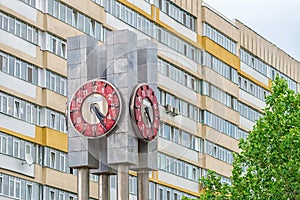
(268, 165)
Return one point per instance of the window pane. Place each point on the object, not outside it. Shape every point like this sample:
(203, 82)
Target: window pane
(12, 25)
(62, 14)
(24, 31)
(29, 74)
(11, 188)
(52, 160)
(1, 185)
(18, 189)
(29, 192)
(3, 145)
(185, 139)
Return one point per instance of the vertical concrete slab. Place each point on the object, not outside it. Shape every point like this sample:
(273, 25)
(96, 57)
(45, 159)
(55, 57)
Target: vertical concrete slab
(122, 146)
(83, 152)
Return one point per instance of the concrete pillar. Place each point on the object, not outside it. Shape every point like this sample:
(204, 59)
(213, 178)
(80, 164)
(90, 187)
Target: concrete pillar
(143, 185)
(103, 187)
(83, 186)
(123, 182)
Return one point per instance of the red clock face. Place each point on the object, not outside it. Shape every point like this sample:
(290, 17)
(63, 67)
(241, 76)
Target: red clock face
(95, 108)
(145, 112)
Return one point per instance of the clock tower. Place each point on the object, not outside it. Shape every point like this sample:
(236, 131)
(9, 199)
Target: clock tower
(113, 106)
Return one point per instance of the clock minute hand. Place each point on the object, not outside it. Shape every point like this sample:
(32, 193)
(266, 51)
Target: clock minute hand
(148, 114)
(99, 115)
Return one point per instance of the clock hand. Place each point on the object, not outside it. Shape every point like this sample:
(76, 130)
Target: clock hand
(149, 118)
(99, 115)
(148, 114)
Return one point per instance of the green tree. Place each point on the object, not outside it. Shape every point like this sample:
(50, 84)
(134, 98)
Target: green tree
(268, 165)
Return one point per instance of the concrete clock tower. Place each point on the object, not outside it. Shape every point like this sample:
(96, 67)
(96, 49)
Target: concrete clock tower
(113, 111)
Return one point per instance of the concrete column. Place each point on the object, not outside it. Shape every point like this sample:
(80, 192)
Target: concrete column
(103, 187)
(123, 182)
(83, 186)
(143, 185)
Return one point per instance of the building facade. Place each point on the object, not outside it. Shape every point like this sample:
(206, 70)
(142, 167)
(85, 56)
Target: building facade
(213, 76)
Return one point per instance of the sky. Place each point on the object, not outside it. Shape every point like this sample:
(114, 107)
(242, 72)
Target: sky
(276, 20)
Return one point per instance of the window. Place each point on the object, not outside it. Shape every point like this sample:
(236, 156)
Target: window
(176, 196)
(30, 33)
(62, 86)
(63, 49)
(29, 113)
(132, 185)
(168, 195)
(166, 132)
(52, 159)
(62, 13)
(62, 162)
(185, 139)
(1, 184)
(61, 196)
(52, 195)
(151, 191)
(17, 109)
(161, 193)
(29, 191)
(27, 148)
(17, 68)
(54, 45)
(3, 62)
(4, 21)
(62, 124)
(14, 187)
(16, 148)
(3, 144)
(29, 74)
(52, 82)
(113, 183)
(52, 120)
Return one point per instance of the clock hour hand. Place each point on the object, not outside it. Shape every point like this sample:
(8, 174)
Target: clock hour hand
(148, 114)
(99, 115)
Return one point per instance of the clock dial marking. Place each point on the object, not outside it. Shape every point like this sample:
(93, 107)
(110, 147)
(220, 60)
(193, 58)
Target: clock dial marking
(95, 108)
(144, 111)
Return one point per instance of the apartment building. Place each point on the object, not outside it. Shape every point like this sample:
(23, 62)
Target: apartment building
(213, 76)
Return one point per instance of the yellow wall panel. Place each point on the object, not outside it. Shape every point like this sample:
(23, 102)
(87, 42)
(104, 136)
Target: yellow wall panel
(56, 139)
(45, 137)
(221, 53)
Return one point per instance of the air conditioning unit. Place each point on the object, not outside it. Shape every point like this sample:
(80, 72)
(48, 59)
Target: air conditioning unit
(175, 112)
(168, 108)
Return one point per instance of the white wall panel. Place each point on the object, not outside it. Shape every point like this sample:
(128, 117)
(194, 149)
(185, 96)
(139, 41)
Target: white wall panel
(178, 27)
(169, 83)
(17, 85)
(177, 57)
(185, 122)
(246, 123)
(21, 8)
(119, 25)
(15, 164)
(178, 181)
(255, 74)
(17, 125)
(143, 5)
(17, 43)
(178, 150)
(252, 99)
